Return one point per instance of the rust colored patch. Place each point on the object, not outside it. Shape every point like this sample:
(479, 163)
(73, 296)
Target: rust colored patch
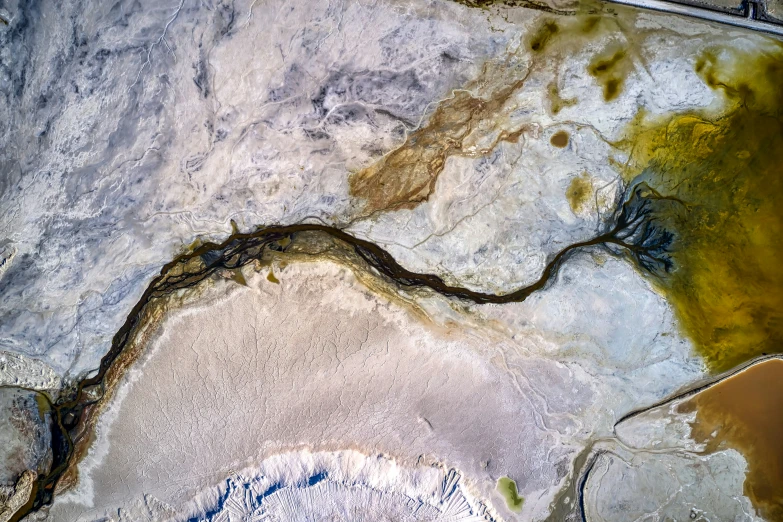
(559, 139)
(407, 176)
(744, 412)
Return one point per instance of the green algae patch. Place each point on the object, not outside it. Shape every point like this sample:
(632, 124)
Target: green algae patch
(508, 488)
(722, 178)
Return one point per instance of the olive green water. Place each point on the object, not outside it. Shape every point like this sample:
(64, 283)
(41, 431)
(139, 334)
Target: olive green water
(727, 172)
(508, 488)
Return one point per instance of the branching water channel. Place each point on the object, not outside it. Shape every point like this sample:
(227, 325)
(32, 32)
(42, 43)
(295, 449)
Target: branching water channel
(631, 231)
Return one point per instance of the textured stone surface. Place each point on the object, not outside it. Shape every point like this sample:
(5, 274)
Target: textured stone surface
(471, 144)
(659, 471)
(775, 9)
(132, 130)
(25, 435)
(318, 360)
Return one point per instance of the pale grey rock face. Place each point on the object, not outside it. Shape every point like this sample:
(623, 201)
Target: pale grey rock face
(130, 129)
(23, 371)
(25, 432)
(656, 471)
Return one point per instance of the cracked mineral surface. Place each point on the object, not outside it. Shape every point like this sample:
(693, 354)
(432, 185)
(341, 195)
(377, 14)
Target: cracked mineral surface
(390, 260)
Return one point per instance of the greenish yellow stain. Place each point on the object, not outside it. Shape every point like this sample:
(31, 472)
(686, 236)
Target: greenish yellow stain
(193, 246)
(556, 102)
(727, 169)
(543, 35)
(579, 192)
(611, 68)
(508, 488)
(271, 277)
(43, 405)
(238, 277)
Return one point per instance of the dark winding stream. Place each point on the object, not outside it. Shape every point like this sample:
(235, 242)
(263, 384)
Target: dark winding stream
(631, 231)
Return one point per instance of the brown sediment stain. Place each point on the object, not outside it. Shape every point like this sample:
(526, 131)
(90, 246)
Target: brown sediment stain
(271, 277)
(473, 120)
(237, 276)
(744, 412)
(407, 176)
(579, 192)
(568, 32)
(726, 167)
(559, 139)
(611, 67)
(556, 102)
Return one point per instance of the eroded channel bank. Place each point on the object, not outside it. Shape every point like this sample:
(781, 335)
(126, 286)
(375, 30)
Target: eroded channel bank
(631, 232)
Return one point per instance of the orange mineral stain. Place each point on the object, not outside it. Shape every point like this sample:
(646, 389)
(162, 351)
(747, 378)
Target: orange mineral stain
(744, 412)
